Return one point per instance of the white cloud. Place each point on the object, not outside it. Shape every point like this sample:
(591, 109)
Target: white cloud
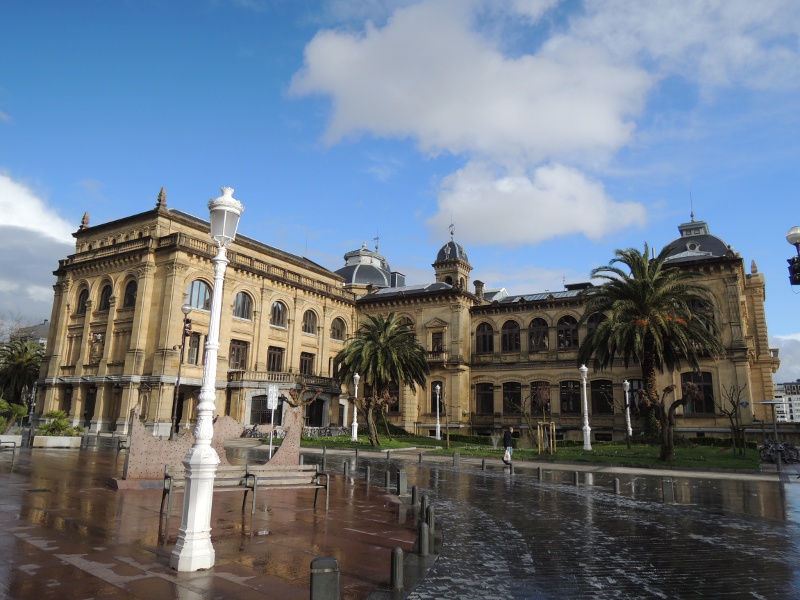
(21, 207)
(429, 76)
(789, 354)
(40, 293)
(554, 201)
(712, 42)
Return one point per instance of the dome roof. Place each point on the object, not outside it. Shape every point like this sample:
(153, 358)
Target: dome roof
(696, 243)
(452, 250)
(365, 267)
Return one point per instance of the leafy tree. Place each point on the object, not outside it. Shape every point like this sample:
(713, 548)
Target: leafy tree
(657, 316)
(383, 352)
(9, 414)
(19, 369)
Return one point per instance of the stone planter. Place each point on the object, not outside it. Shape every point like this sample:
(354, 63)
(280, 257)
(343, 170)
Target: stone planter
(56, 441)
(17, 439)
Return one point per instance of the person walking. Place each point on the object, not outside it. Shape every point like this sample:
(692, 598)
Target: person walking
(508, 442)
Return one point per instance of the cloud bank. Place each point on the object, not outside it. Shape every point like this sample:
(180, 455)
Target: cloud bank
(536, 121)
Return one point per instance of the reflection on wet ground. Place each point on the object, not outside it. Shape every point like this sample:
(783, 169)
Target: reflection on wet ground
(515, 536)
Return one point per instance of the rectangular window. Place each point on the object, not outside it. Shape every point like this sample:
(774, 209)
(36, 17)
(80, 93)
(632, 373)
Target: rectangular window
(512, 398)
(484, 398)
(394, 394)
(540, 398)
(602, 397)
(237, 357)
(570, 396)
(193, 349)
(306, 363)
(275, 359)
(705, 405)
(261, 415)
(437, 341)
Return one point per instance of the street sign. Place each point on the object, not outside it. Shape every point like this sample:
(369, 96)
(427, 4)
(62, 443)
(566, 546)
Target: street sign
(272, 397)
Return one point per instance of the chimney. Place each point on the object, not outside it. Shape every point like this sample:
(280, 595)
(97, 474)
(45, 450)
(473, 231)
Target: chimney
(479, 289)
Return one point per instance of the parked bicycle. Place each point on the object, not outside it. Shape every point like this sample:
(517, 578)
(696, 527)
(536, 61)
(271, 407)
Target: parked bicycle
(251, 432)
(789, 453)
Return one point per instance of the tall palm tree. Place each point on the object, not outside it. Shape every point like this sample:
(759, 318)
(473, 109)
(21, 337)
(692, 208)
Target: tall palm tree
(384, 352)
(657, 316)
(19, 368)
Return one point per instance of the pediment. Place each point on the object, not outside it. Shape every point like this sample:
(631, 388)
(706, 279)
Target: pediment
(435, 323)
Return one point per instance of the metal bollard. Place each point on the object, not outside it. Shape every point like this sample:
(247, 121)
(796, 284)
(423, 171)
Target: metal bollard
(668, 491)
(325, 578)
(402, 483)
(397, 568)
(431, 528)
(424, 544)
(366, 474)
(424, 505)
(420, 458)
(414, 496)
(539, 473)
(356, 454)
(324, 458)
(456, 458)
(616, 485)
(388, 480)
(576, 478)
(483, 465)
(301, 459)
(346, 468)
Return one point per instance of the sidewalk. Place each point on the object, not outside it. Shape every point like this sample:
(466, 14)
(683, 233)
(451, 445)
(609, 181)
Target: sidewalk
(69, 535)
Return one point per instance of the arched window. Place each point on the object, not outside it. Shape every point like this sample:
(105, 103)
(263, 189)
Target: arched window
(199, 295)
(83, 298)
(538, 336)
(129, 299)
(310, 322)
(509, 337)
(567, 333)
(593, 321)
(405, 321)
(277, 316)
(243, 306)
(512, 398)
(337, 329)
(105, 298)
(484, 339)
(602, 391)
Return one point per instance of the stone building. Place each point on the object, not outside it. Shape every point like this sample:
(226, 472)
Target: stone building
(496, 359)
(117, 326)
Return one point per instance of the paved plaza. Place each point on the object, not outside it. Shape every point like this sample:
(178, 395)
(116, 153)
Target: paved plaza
(669, 534)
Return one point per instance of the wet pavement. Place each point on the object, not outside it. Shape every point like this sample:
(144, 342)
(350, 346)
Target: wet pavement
(68, 535)
(666, 534)
(515, 536)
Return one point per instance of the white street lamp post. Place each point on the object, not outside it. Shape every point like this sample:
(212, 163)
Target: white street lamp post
(626, 385)
(187, 329)
(793, 237)
(194, 550)
(354, 435)
(587, 431)
(438, 389)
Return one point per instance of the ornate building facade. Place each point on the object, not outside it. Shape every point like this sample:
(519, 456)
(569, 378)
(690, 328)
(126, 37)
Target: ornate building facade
(116, 331)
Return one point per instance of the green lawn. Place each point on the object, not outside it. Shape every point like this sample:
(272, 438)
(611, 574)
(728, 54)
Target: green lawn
(700, 457)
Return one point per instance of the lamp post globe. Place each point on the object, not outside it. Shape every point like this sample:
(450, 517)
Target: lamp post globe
(354, 433)
(793, 237)
(193, 550)
(587, 431)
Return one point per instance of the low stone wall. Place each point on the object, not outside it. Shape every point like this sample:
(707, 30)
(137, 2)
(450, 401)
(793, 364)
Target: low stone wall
(56, 441)
(17, 439)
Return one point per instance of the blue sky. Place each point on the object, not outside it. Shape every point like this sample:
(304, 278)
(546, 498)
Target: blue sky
(550, 133)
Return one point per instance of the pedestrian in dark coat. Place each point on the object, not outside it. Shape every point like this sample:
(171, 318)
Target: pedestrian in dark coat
(508, 442)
